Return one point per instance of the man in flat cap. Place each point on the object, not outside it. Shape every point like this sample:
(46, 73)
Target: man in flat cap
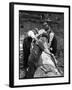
(52, 42)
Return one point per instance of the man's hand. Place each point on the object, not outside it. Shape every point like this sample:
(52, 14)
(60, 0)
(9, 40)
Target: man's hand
(51, 49)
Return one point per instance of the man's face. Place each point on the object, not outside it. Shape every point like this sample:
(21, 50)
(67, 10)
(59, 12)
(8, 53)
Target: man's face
(45, 26)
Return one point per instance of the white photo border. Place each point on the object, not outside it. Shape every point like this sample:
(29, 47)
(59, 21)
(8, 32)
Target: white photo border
(42, 8)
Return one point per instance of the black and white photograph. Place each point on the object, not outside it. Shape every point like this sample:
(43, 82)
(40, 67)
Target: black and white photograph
(40, 44)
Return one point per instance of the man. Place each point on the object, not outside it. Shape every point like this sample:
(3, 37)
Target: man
(27, 45)
(26, 50)
(52, 42)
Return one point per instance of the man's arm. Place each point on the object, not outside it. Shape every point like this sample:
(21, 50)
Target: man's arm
(54, 46)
